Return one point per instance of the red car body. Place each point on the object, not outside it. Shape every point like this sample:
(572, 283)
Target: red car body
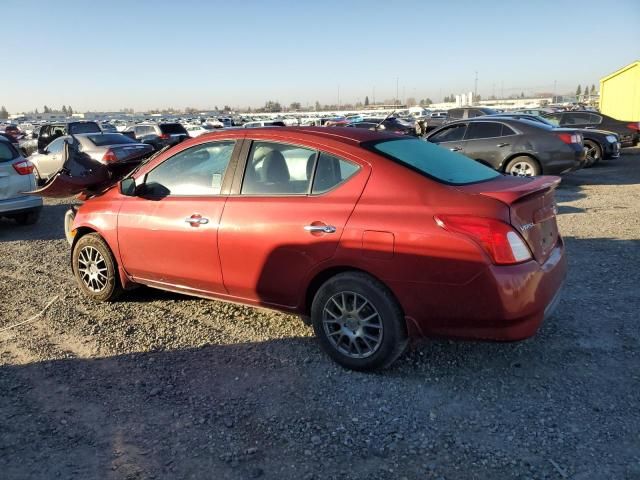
(254, 249)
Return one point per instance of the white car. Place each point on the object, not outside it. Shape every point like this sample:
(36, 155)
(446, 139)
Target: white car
(195, 130)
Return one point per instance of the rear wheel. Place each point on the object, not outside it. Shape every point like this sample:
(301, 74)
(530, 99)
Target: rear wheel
(523, 167)
(593, 153)
(95, 268)
(358, 322)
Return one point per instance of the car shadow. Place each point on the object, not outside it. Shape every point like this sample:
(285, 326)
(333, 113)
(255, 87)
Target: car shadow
(50, 225)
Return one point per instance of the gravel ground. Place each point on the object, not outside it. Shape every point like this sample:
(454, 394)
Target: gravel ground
(159, 385)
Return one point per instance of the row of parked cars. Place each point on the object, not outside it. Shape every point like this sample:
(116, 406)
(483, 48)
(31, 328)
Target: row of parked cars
(370, 233)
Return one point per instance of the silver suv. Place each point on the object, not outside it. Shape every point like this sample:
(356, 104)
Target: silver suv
(16, 177)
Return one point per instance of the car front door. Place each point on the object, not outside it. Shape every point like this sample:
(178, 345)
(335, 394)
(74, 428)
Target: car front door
(168, 231)
(451, 137)
(285, 217)
(484, 142)
(50, 160)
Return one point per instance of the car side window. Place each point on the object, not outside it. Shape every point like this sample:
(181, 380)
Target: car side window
(197, 170)
(56, 146)
(576, 118)
(595, 119)
(449, 134)
(278, 169)
(330, 171)
(6, 152)
(456, 113)
(507, 130)
(477, 130)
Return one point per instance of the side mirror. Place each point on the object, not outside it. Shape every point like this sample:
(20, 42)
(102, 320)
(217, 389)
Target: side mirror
(128, 187)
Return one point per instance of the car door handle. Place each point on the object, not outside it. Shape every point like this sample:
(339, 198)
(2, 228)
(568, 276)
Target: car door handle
(455, 149)
(500, 145)
(320, 228)
(196, 220)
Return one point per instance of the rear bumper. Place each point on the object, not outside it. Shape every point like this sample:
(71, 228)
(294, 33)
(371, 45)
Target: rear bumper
(22, 204)
(504, 303)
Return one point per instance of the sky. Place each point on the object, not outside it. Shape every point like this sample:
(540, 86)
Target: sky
(145, 54)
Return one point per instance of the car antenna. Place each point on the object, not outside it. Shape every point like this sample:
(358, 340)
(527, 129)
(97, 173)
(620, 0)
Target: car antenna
(375, 129)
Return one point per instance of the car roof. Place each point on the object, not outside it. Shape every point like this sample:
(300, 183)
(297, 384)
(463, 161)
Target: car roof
(339, 134)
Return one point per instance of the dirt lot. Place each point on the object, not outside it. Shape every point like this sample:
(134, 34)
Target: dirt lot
(163, 386)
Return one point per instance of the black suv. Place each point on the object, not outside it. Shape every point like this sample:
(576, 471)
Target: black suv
(158, 135)
(48, 133)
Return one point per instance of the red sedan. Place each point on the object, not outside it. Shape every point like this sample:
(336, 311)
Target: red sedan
(375, 238)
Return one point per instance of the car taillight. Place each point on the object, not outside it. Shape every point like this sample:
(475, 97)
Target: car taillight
(499, 240)
(23, 167)
(634, 126)
(570, 138)
(109, 156)
(164, 136)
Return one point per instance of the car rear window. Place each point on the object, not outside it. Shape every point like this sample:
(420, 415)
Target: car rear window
(434, 161)
(7, 152)
(89, 127)
(172, 128)
(109, 139)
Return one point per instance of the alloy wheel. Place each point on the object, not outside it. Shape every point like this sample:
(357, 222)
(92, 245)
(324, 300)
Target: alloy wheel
(352, 324)
(93, 269)
(592, 153)
(521, 169)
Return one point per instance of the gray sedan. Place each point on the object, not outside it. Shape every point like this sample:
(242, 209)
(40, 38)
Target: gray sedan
(106, 148)
(16, 177)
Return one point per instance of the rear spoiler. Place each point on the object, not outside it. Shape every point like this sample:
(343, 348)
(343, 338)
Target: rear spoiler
(509, 192)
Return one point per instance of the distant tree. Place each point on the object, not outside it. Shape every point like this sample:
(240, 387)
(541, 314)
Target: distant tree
(46, 109)
(295, 106)
(4, 115)
(593, 89)
(216, 108)
(64, 109)
(36, 112)
(366, 101)
(578, 91)
(318, 106)
(521, 94)
(478, 98)
(411, 102)
(428, 101)
(271, 106)
(69, 110)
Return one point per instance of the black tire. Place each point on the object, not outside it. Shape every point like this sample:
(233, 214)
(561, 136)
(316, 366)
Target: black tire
(523, 166)
(27, 218)
(594, 153)
(103, 288)
(388, 344)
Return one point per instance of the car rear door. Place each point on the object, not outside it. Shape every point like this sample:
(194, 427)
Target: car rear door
(168, 232)
(287, 212)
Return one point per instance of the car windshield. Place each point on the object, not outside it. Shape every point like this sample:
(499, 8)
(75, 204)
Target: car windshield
(434, 161)
(84, 128)
(109, 139)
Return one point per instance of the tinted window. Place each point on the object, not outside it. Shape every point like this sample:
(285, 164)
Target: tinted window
(456, 113)
(475, 113)
(84, 128)
(56, 146)
(330, 171)
(7, 152)
(172, 128)
(196, 171)
(478, 130)
(433, 161)
(449, 134)
(595, 119)
(277, 168)
(576, 118)
(110, 139)
(507, 130)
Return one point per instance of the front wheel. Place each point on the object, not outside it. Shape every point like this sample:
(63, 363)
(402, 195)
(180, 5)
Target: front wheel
(358, 322)
(95, 268)
(523, 167)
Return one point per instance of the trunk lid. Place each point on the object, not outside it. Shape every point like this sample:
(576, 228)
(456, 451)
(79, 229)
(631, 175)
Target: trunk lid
(130, 152)
(532, 208)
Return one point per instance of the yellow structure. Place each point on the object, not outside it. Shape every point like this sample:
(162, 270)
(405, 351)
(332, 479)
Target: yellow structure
(620, 93)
